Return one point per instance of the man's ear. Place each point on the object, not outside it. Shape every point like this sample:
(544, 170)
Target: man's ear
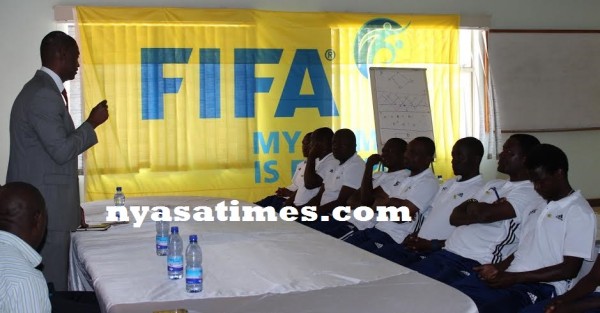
(40, 220)
(37, 219)
(322, 146)
(523, 158)
(60, 53)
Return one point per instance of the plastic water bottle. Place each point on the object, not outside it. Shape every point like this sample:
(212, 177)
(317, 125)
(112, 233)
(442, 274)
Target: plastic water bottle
(162, 237)
(175, 255)
(193, 266)
(119, 200)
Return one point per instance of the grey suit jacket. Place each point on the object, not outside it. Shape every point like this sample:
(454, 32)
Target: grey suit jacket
(44, 146)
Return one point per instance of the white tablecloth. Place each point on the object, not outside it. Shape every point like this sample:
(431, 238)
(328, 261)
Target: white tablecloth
(249, 267)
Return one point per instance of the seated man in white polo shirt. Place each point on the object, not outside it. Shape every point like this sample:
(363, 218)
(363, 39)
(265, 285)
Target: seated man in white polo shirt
(583, 297)
(345, 179)
(415, 192)
(285, 196)
(488, 225)
(319, 163)
(558, 234)
(466, 158)
(373, 186)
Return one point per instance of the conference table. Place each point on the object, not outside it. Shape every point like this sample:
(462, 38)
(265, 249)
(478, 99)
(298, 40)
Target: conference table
(260, 267)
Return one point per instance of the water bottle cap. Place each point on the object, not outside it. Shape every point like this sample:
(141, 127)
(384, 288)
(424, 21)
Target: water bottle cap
(119, 188)
(193, 238)
(174, 230)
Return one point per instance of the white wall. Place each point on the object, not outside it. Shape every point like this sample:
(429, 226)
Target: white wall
(25, 22)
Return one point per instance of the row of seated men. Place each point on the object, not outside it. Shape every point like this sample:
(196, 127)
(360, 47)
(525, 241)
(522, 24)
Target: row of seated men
(511, 245)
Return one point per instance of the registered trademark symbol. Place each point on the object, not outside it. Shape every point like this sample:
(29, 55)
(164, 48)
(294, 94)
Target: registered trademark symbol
(330, 54)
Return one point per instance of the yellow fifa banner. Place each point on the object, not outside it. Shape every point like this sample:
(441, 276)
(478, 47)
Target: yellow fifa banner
(215, 102)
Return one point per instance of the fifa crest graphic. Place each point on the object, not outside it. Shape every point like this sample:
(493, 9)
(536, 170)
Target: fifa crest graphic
(375, 38)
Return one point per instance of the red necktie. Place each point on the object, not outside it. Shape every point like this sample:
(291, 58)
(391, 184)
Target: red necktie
(64, 93)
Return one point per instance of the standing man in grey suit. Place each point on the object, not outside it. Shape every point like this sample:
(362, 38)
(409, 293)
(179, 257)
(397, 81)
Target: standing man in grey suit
(44, 146)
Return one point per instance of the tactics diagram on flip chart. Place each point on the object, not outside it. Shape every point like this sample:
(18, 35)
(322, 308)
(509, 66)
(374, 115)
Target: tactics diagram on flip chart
(401, 103)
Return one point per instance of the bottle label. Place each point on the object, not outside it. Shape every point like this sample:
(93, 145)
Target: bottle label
(193, 275)
(175, 263)
(162, 242)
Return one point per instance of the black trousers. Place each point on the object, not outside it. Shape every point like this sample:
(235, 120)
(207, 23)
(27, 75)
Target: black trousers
(73, 301)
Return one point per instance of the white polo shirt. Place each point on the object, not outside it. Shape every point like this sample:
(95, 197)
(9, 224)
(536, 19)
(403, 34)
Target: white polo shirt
(323, 167)
(388, 182)
(419, 190)
(566, 227)
(493, 242)
(298, 178)
(348, 174)
(453, 192)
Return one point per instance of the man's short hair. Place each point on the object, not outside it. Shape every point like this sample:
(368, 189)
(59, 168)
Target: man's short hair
(347, 136)
(54, 42)
(526, 142)
(429, 145)
(324, 134)
(19, 201)
(397, 143)
(548, 157)
(473, 146)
